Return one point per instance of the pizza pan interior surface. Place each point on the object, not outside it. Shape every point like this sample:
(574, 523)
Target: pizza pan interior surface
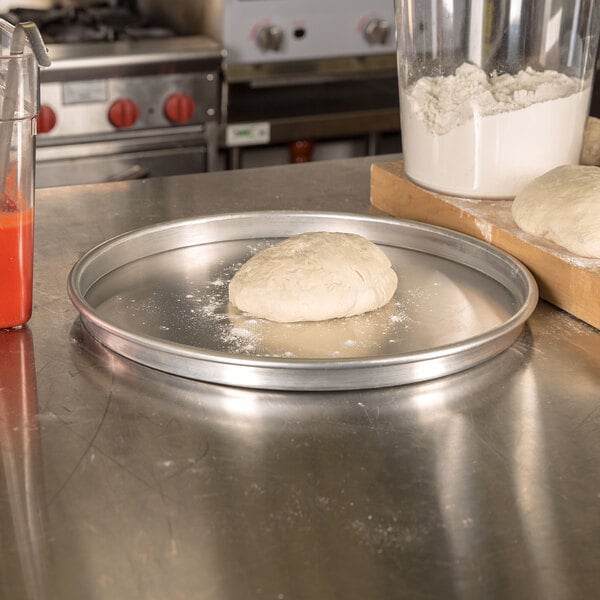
(159, 296)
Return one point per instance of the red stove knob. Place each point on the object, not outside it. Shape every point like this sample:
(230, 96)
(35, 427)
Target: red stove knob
(179, 108)
(123, 113)
(46, 119)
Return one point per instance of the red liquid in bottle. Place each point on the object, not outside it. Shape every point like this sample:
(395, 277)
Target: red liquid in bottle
(16, 267)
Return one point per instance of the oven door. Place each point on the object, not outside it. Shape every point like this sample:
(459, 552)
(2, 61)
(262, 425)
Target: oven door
(119, 159)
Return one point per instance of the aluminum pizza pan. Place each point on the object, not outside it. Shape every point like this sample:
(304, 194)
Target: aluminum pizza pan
(158, 296)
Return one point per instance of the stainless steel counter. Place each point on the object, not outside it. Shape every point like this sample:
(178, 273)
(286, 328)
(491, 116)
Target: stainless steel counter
(119, 482)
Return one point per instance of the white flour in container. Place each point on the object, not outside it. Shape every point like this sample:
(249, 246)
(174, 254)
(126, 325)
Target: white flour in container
(477, 136)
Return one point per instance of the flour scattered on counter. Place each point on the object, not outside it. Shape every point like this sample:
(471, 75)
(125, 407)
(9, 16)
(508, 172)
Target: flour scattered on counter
(239, 332)
(485, 229)
(369, 334)
(399, 317)
(240, 341)
(380, 535)
(582, 262)
(210, 306)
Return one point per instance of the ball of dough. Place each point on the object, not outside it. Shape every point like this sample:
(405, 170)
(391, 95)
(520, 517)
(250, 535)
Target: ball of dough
(590, 151)
(563, 205)
(314, 277)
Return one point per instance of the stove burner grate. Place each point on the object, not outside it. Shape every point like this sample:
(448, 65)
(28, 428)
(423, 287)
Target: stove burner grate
(92, 23)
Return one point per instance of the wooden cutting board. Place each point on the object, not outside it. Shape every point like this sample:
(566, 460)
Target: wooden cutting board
(566, 280)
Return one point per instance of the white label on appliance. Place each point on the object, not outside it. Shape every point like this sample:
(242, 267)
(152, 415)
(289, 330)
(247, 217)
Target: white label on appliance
(248, 134)
(76, 92)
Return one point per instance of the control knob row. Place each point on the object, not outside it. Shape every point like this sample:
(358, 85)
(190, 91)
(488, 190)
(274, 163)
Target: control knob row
(270, 38)
(178, 108)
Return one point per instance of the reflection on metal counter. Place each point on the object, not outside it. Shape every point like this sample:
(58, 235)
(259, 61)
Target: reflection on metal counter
(22, 520)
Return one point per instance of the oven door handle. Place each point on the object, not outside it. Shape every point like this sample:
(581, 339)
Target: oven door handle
(133, 172)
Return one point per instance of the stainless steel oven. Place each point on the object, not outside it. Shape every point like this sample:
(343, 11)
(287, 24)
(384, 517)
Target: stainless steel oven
(259, 31)
(297, 70)
(114, 110)
(123, 97)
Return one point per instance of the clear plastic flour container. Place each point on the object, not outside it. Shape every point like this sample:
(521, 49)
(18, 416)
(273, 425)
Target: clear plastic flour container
(493, 93)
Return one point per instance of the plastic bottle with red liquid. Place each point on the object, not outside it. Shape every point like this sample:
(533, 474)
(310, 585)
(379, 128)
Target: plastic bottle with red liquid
(16, 265)
(18, 109)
